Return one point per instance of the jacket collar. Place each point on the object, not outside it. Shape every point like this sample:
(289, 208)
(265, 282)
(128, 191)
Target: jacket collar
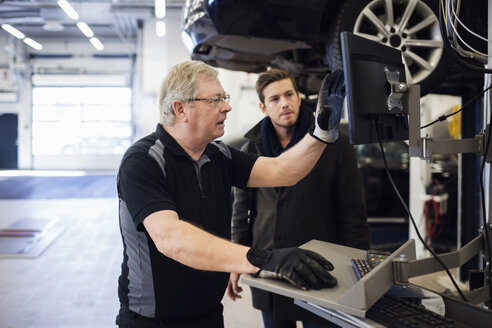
(254, 134)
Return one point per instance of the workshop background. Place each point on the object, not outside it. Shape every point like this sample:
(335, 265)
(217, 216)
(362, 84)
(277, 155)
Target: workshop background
(76, 91)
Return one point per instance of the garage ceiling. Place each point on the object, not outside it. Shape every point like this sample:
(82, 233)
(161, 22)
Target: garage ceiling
(45, 20)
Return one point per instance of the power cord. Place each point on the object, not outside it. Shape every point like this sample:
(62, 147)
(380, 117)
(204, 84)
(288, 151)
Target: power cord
(411, 217)
(444, 117)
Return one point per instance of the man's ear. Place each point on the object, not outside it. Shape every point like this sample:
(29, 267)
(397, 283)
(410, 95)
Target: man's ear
(179, 109)
(263, 108)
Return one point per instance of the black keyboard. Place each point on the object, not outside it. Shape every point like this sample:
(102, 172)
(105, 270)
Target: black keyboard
(397, 312)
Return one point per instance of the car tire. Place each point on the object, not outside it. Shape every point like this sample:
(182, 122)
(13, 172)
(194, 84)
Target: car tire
(426, 66)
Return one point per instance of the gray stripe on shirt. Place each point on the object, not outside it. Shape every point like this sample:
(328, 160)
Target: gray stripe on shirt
(141, 285)
(156, 151)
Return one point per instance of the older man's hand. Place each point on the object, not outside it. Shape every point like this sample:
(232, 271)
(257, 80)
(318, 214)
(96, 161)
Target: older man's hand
(329, 108)
(302, 268)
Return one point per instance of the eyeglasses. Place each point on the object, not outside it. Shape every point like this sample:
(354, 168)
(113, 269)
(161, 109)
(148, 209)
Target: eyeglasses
(214, 101)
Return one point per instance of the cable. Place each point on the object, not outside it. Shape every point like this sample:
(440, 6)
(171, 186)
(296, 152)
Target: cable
(448, 47)
(463, 41)
(450, 33)
(484, 159)
(411, 217)
(465, 27)
(444, 117)
(453, 32)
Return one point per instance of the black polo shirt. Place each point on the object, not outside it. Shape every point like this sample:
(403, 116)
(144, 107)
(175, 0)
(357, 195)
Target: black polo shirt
(157, 174)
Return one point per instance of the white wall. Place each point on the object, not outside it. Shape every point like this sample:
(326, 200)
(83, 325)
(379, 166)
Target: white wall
(154, 58)
(244, 101)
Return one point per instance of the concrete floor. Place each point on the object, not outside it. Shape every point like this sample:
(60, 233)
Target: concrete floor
(74, 282)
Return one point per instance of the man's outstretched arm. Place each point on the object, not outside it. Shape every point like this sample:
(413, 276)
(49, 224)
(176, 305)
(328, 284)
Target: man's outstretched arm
(288, 168)
(294, 164)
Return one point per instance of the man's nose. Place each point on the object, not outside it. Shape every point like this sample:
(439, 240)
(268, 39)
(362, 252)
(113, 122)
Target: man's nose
(283, 102)
(225, 107)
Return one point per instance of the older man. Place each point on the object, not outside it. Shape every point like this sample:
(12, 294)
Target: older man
(174, 187)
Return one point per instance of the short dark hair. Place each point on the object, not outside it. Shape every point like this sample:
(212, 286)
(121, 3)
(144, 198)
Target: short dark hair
(270, 76)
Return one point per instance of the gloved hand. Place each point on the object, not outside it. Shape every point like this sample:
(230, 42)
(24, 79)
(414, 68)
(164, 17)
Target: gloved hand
(302, 268)
(329, 108)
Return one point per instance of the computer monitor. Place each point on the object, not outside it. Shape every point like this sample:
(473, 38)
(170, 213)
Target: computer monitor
(375, 85)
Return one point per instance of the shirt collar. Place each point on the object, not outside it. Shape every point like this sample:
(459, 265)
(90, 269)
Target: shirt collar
(173, 146)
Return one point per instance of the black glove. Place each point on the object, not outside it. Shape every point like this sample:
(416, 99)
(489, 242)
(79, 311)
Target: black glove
(302, 268)
(329, 108)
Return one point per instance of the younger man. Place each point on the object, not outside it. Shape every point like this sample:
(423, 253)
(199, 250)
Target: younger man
(328, 204)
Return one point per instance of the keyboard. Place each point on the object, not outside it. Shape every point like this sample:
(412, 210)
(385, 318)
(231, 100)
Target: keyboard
(397, 312)
(363, 266)
(376, 257)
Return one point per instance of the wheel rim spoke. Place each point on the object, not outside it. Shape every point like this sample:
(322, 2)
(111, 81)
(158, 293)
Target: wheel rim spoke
(369, 36)
(388, 7)
(375, 21)
(407, 71)
(419, 60)
(424, 43)
(423, 24)
(407, 14)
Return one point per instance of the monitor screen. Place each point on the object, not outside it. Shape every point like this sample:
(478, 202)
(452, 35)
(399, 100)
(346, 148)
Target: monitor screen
(373, 72)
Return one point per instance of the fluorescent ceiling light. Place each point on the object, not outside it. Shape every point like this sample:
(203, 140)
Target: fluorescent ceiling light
(160, 8)
(33, 44)
(160, 29)
(12, 30)
(96, 43)
(85, 29)
(53, 25)
(68, 9)
(18, 34)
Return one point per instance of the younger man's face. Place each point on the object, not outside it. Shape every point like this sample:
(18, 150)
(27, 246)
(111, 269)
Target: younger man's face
(281, 103)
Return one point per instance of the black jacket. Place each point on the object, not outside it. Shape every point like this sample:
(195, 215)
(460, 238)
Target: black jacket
(328, 204)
